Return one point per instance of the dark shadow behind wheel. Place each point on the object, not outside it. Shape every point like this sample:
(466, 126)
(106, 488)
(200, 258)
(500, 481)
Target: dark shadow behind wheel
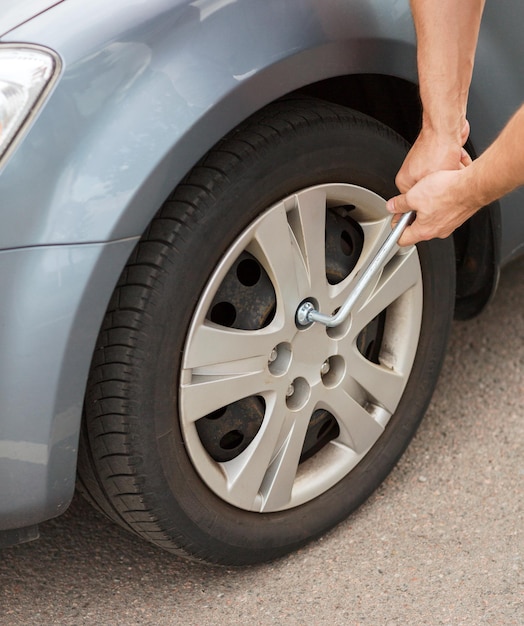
(133, 463)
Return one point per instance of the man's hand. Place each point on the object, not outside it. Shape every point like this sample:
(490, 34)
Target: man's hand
(432, 152)
(444, 200)
(442, 203)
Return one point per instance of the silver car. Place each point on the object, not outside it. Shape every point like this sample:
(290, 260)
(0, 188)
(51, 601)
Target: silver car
(177, 177)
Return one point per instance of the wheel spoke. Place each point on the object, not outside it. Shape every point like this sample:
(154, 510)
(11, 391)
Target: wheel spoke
(280, 477)
(375, 233)
(210, 344)
(398, 276)
(291, 248)
(204, 393)
(274, 245)
(246, 473)
(383, 384)
(308, 223)
(358, 430)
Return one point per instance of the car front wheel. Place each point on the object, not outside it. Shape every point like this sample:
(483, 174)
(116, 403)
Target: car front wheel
(218, 427)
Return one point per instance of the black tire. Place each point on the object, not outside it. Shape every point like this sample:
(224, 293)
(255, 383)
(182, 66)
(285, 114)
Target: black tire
(135, 462)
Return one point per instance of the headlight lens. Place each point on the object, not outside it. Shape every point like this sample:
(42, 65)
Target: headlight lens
(26, 74)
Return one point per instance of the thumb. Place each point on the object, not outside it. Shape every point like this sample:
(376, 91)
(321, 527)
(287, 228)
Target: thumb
(398, 204)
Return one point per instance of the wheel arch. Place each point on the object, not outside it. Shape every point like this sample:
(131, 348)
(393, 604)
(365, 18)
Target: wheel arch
(353, 53)
(133, 113)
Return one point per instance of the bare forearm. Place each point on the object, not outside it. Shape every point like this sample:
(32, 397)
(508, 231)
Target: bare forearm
(500, 169)
(447, 33)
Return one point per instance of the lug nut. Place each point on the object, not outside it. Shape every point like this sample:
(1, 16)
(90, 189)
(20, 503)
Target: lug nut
(273, 355)
(324, 369)
(290, 390)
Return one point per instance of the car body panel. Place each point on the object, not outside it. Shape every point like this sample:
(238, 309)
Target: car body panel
(146, 90)
(49, 341)
(14, 14)
(174, 84)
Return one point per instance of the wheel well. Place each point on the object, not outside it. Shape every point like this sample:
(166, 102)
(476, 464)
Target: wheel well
(396, 103)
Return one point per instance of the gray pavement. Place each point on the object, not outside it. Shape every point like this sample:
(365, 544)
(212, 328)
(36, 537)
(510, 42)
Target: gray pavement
(440, 542)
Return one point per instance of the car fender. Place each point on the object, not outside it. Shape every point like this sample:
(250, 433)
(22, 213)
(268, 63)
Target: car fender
(132, 114)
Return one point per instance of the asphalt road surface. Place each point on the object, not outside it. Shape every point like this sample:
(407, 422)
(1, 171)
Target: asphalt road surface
(440, 542)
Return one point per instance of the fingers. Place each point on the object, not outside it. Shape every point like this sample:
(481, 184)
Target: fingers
(410, 236)
(414, 234)
(404, 181)
(465, 159)
(465, 132)
(398, 204)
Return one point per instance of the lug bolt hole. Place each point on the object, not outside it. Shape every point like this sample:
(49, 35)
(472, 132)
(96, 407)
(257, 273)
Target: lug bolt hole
(333, 371)
(279, 359)
(298, 394)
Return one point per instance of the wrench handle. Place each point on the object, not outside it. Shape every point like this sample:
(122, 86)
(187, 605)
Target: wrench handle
(308, 313)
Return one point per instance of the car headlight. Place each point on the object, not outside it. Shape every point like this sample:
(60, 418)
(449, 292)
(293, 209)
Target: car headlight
(26, 76)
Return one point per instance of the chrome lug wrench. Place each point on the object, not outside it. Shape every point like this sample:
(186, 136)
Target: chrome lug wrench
(307, 314)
